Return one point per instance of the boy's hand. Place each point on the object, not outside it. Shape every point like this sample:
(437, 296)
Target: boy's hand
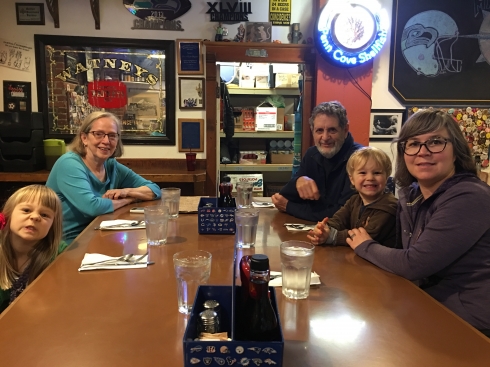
(320, 233)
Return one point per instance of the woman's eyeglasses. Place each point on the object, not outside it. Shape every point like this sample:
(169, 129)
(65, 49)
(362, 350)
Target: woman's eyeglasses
(433, 145)
(99, 135)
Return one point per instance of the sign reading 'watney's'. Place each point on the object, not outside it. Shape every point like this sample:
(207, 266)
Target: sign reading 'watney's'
(229, 11)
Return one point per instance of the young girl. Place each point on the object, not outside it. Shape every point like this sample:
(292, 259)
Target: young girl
(368, 169)
(30, 236)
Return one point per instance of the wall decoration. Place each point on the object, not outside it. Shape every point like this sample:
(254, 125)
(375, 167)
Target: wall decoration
(16, 56)
(232, 12)
(474, 123)
(29, 13)
(191, 135)
(128, 77)
(16, 96)
(280, 12)
(351, 32)
(191, 93)
(163, 9)
(440, 52)
(259, 32)
(385, 123)
(189, 57)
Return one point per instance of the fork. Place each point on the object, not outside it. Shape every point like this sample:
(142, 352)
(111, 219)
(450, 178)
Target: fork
(124, 225)
(122, 258)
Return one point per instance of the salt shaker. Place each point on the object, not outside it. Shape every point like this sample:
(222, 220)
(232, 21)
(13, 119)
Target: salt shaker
(208, 322)
(214, 305)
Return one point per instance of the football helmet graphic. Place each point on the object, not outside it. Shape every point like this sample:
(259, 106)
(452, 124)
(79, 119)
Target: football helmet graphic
(427, 43)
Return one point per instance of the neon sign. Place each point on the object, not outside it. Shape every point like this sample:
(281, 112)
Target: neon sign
(351, 32)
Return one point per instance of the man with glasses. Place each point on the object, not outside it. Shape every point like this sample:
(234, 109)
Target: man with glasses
(321, 186)
(88, 179)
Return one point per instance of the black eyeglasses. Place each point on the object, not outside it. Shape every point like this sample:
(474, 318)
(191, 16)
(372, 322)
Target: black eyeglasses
(99, 135)
(433, 145)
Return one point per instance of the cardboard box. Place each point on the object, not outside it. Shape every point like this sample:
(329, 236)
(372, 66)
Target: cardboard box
(253, 157)
(280, 119)
(257, 180)
(282, 157)
(265, 119)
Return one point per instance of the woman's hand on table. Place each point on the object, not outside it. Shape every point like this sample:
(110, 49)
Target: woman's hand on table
(357, 236)
(320, 233)
(115, 194)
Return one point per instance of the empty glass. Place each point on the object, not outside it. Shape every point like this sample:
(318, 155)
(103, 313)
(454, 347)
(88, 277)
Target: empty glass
(171, 199)
(244, 194)
(246, 221)
(156, 223)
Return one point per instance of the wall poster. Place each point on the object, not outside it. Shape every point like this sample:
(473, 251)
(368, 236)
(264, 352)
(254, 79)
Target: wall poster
(440, 52)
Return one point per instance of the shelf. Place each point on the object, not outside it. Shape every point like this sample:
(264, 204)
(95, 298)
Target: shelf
(261, 134)
(255, 167)
(269, 91)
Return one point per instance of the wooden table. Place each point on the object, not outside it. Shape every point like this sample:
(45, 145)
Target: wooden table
(359, 316)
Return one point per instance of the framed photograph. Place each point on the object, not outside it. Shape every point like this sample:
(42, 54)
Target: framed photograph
(385, 124)
(189, 57)
(29, 13)
(127, 77)
(191, 135)
(259, 32)
(191, 93)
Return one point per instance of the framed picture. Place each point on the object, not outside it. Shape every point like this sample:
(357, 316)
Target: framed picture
(127, 77)
(385, 123)
(259, 32)
(191, 93)
(29, 13)
(191, 135)
(189, 57)
(435, 68)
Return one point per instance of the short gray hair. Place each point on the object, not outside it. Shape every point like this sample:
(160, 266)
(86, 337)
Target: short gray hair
(332, 108)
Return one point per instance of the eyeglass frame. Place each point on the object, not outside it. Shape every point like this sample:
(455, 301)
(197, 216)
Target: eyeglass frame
(116, 138)
(404, 144)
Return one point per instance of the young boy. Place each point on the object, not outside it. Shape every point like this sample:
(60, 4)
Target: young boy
(368, 169)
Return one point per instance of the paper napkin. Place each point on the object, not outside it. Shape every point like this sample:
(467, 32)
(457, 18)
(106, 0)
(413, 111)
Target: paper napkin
(118, 224)
(299, 227)
(262, 204)
(112, 263)
(277, 281)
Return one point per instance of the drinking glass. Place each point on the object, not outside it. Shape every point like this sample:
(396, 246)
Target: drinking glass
(297, 261)
(246, 221)
(244, 194)
(156, 223)
(192, 268)
(171, 199)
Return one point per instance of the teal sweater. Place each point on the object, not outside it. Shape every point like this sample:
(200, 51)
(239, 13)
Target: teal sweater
(5, 294)
(81, 192)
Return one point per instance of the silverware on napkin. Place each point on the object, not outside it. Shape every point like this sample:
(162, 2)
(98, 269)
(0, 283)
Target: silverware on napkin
(123, 225)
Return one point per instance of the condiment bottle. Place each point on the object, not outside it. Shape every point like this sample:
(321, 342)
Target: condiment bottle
(261, 319)
(225, 188)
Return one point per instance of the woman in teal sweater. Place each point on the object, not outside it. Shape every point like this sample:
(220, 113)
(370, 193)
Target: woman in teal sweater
(88, 179)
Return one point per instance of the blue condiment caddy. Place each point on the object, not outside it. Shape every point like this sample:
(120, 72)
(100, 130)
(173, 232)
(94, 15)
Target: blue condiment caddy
(213, 219)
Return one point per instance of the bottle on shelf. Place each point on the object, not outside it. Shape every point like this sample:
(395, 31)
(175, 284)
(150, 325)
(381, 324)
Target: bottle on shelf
(225, 188)
(260, 317)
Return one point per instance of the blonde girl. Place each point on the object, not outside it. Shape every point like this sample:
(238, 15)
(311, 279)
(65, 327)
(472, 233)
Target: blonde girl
(30, 238)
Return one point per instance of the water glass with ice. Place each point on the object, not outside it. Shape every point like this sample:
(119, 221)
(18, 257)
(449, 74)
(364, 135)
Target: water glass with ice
(192, 268)
(246, 221)
(244, 194)
(156, 223)
(171, 199)
(297, 261)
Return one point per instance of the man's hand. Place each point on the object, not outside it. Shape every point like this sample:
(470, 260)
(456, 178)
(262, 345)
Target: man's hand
(280, 202)
(307, 188)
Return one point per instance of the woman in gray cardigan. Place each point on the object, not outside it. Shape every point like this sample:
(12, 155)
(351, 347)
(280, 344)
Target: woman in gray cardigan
(441, 226)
